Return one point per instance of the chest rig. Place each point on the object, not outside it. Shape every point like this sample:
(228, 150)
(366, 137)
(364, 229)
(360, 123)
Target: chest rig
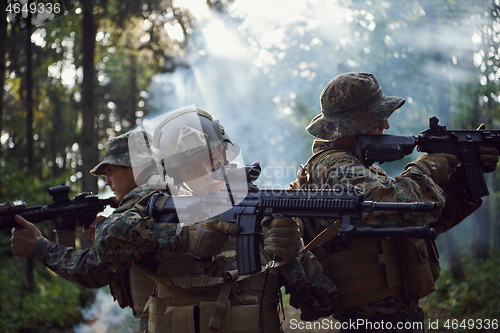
(371, 269)
(209, 290)
(134, 288)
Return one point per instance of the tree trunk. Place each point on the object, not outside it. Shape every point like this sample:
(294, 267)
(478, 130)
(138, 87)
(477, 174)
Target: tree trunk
(29, 101)
(88, 109)
(443, 111)
(3, 53)
(443, 102)
(134, 94)
(88, 105)
(30, 276)
(481, 237)
(453, 256)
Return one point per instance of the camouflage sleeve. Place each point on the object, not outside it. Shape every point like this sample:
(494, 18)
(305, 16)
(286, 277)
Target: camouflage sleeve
(411, 186)
(78, 266)
(132, 236)
(310, 289)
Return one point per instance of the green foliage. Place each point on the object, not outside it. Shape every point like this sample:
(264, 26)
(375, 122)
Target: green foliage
(21, 184)
(475, 298)
(132, 46)
(54, 306)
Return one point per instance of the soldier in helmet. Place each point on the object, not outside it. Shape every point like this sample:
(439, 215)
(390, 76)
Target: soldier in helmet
(93, 268)
(131, 287)
(190, 259)
(198, 288)
(380, 281)
(190, 262)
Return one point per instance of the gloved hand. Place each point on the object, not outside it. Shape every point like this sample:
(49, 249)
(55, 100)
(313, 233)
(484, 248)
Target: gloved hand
(488, 155)
(23, 239)
(281, 237)
(436, 166)
(206, 238)
(489, 158)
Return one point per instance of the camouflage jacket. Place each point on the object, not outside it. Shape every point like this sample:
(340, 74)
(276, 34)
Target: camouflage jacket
(330, 166)
(85, 267)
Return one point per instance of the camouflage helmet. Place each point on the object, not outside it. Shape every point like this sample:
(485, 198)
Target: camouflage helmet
(117, 152)
(352, 103)
(188, 134)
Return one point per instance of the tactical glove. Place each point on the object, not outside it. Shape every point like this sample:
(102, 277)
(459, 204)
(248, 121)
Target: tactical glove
(488, 155)
(436, 166)
(281, 237)
(207, 238)
(489, 158)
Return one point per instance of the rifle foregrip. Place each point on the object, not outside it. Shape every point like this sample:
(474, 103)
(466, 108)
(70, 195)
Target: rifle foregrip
(34, 215)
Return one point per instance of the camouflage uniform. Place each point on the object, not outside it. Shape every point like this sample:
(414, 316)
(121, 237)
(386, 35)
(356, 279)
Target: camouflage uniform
(134, 236)
(353, 103)
(191, 292)
(129, 286)
(192, 287)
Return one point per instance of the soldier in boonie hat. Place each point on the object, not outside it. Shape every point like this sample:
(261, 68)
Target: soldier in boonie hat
(116, 154)
(352, 103)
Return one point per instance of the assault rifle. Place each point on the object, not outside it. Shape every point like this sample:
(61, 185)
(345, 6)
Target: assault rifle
(343, 202)
(64, 212)
(464, 144)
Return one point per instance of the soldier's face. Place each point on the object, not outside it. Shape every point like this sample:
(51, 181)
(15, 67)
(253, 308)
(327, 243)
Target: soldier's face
(380, 130)
(120, 180)
(197, 174)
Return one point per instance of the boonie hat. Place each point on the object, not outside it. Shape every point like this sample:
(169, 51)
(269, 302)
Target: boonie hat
(117, 153)
(352, 103)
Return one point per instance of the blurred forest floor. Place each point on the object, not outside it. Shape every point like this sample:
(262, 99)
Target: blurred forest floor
(58, 305)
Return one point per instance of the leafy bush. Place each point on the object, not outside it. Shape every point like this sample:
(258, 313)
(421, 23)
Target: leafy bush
(54, 306)
(474, 298)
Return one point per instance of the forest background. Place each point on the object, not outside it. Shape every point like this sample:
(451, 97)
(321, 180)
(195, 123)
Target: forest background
(97, 69)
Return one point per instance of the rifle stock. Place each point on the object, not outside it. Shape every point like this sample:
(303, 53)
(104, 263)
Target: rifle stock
(64, 212)
(464, 144)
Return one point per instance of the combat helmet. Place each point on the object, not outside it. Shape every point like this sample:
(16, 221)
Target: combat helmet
(187, 134)
(352, 103)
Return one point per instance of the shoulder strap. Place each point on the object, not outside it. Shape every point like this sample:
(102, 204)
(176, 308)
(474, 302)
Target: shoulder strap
(303, 182)
(304, 173)
(322, 237)
(129, 204)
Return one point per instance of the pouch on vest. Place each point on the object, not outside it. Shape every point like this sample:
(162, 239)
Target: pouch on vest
(419, 266)
(119, 293)
(166, 318)
(365, 273)
(180, 319)
(237, 319)
(141, 287)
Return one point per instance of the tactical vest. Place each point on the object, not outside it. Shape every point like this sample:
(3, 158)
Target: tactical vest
(133, 290)
(207, 295)
(135, 287)
(374, 268)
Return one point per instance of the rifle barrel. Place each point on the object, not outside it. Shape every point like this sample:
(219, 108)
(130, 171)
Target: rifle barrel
(415, 232)
(400, 206)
